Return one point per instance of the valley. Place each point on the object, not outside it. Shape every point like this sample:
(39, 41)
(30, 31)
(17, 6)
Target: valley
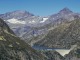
(25, 36)
(62, 52)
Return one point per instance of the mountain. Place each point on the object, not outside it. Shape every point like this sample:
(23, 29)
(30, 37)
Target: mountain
(74, 54)
(63, 36)
(53, 21)
(63, 15)
(52, 55)
(19, 20)
(28, 26)
(13, 48)
(18, 14)
(60, 30)
(65, 11)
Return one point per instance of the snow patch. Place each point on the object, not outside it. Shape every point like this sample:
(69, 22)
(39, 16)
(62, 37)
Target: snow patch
(4, 20)
(32, 21)
(16, 21)
(44, 19)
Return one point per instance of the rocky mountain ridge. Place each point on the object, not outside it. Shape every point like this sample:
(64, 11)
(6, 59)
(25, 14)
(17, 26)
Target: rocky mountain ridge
(27, 26)
(13, 48)
(60, 30)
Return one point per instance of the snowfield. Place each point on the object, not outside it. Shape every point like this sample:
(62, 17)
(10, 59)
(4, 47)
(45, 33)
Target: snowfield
(44, 19)
(16, 21)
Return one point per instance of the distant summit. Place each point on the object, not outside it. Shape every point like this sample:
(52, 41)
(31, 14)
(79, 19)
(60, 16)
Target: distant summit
(65, 11)
(18, 14)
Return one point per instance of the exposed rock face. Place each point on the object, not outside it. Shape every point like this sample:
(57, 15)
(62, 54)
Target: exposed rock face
(26, 25)
(12, 48)
(65, 11)
(65, 15)
(16, 14)
(64, 36)
(52, 55)
(74, 54)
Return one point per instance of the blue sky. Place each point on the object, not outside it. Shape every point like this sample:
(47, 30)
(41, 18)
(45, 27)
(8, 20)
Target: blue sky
(39, 7)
